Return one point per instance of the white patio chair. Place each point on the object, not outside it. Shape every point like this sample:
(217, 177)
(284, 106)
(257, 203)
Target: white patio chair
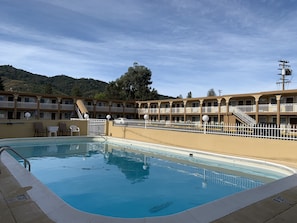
(74, 129)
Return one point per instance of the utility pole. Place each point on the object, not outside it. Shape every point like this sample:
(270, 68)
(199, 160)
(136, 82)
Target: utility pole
(285, 71)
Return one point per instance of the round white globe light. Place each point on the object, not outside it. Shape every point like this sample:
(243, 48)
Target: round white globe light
(146, 117)
(108, 117)
(27, 115)
(86, 116)
(205, 118)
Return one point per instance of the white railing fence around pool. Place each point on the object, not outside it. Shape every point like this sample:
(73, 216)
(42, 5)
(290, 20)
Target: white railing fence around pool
(269, 131)
(96, 127)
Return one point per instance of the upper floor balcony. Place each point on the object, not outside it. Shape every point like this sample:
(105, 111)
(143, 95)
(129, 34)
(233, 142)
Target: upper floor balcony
(263, 108)
(27, 105)
(130, 110)
(48, 106)
(6, 104)
(66, 107)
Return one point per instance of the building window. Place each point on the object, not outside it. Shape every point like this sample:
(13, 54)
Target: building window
(289, 100)
(273, 101)
(67, 115)
(2, 114)
(53, 116)
(10, 115)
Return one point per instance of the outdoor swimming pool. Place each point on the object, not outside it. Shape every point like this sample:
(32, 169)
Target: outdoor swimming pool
(131, 181)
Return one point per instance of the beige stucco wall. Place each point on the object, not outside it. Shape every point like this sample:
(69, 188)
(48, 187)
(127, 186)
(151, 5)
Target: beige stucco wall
(24, 128)
(279, 151)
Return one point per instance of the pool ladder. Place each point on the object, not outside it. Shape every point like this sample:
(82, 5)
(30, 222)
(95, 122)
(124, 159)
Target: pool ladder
(26, 162)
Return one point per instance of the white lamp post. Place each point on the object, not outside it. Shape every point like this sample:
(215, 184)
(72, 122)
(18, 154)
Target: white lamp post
(108, 117)
(146, 117)
(205, 119)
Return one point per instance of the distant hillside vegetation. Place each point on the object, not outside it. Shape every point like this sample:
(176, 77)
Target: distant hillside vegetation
(23, 81)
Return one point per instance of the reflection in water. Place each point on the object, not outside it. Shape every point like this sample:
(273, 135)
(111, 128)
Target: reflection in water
(131, 164)
(204, 182)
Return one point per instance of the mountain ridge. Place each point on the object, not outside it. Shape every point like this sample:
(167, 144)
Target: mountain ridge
(19, 80)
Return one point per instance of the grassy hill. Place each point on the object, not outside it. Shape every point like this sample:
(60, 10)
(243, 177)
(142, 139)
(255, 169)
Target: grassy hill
(23, 81)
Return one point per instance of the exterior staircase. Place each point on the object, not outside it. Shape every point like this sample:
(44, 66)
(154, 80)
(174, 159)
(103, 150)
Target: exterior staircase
(243, 116)
(79, 114)
(81, 109)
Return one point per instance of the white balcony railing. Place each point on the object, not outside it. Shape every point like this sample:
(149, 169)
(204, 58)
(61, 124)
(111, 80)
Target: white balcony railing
(223, 109)
(215, 109)
(246, 108)
(6, 104)
(102, 108)
(130, 110)
(142, 111)
(288, 107)
(116, 109)
(263, 108)
(66, 107)
(28, 105)
(89, 107)
(164, 110)
(178, 110)
(48, 106)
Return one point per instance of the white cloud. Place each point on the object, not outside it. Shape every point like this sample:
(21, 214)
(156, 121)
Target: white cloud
(189, 45)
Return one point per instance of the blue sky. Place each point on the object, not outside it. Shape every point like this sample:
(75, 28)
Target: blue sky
(189, 45)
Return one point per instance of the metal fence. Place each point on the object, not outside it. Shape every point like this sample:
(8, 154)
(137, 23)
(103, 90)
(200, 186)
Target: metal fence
(269, 131)
(96, 127)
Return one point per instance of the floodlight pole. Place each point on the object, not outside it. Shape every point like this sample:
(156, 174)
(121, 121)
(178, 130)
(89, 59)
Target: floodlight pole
(285, 71)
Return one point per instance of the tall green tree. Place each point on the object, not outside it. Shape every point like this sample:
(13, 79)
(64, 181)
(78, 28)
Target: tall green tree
(135, 84)
(211, 92)
(189, 94)
(100, 96)
(1, 85)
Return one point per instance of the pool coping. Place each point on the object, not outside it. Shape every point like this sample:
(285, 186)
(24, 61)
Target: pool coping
(59, 211)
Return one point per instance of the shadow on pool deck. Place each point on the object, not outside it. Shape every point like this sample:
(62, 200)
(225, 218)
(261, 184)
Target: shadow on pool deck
(17, 207)
(15, 204)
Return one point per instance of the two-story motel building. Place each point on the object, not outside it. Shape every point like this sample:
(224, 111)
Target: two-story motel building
(14, 105)
(278, 107)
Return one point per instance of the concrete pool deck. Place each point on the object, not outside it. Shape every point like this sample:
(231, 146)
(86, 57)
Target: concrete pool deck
(28, 201)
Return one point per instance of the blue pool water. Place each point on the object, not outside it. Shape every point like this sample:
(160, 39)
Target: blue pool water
(115, 180)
